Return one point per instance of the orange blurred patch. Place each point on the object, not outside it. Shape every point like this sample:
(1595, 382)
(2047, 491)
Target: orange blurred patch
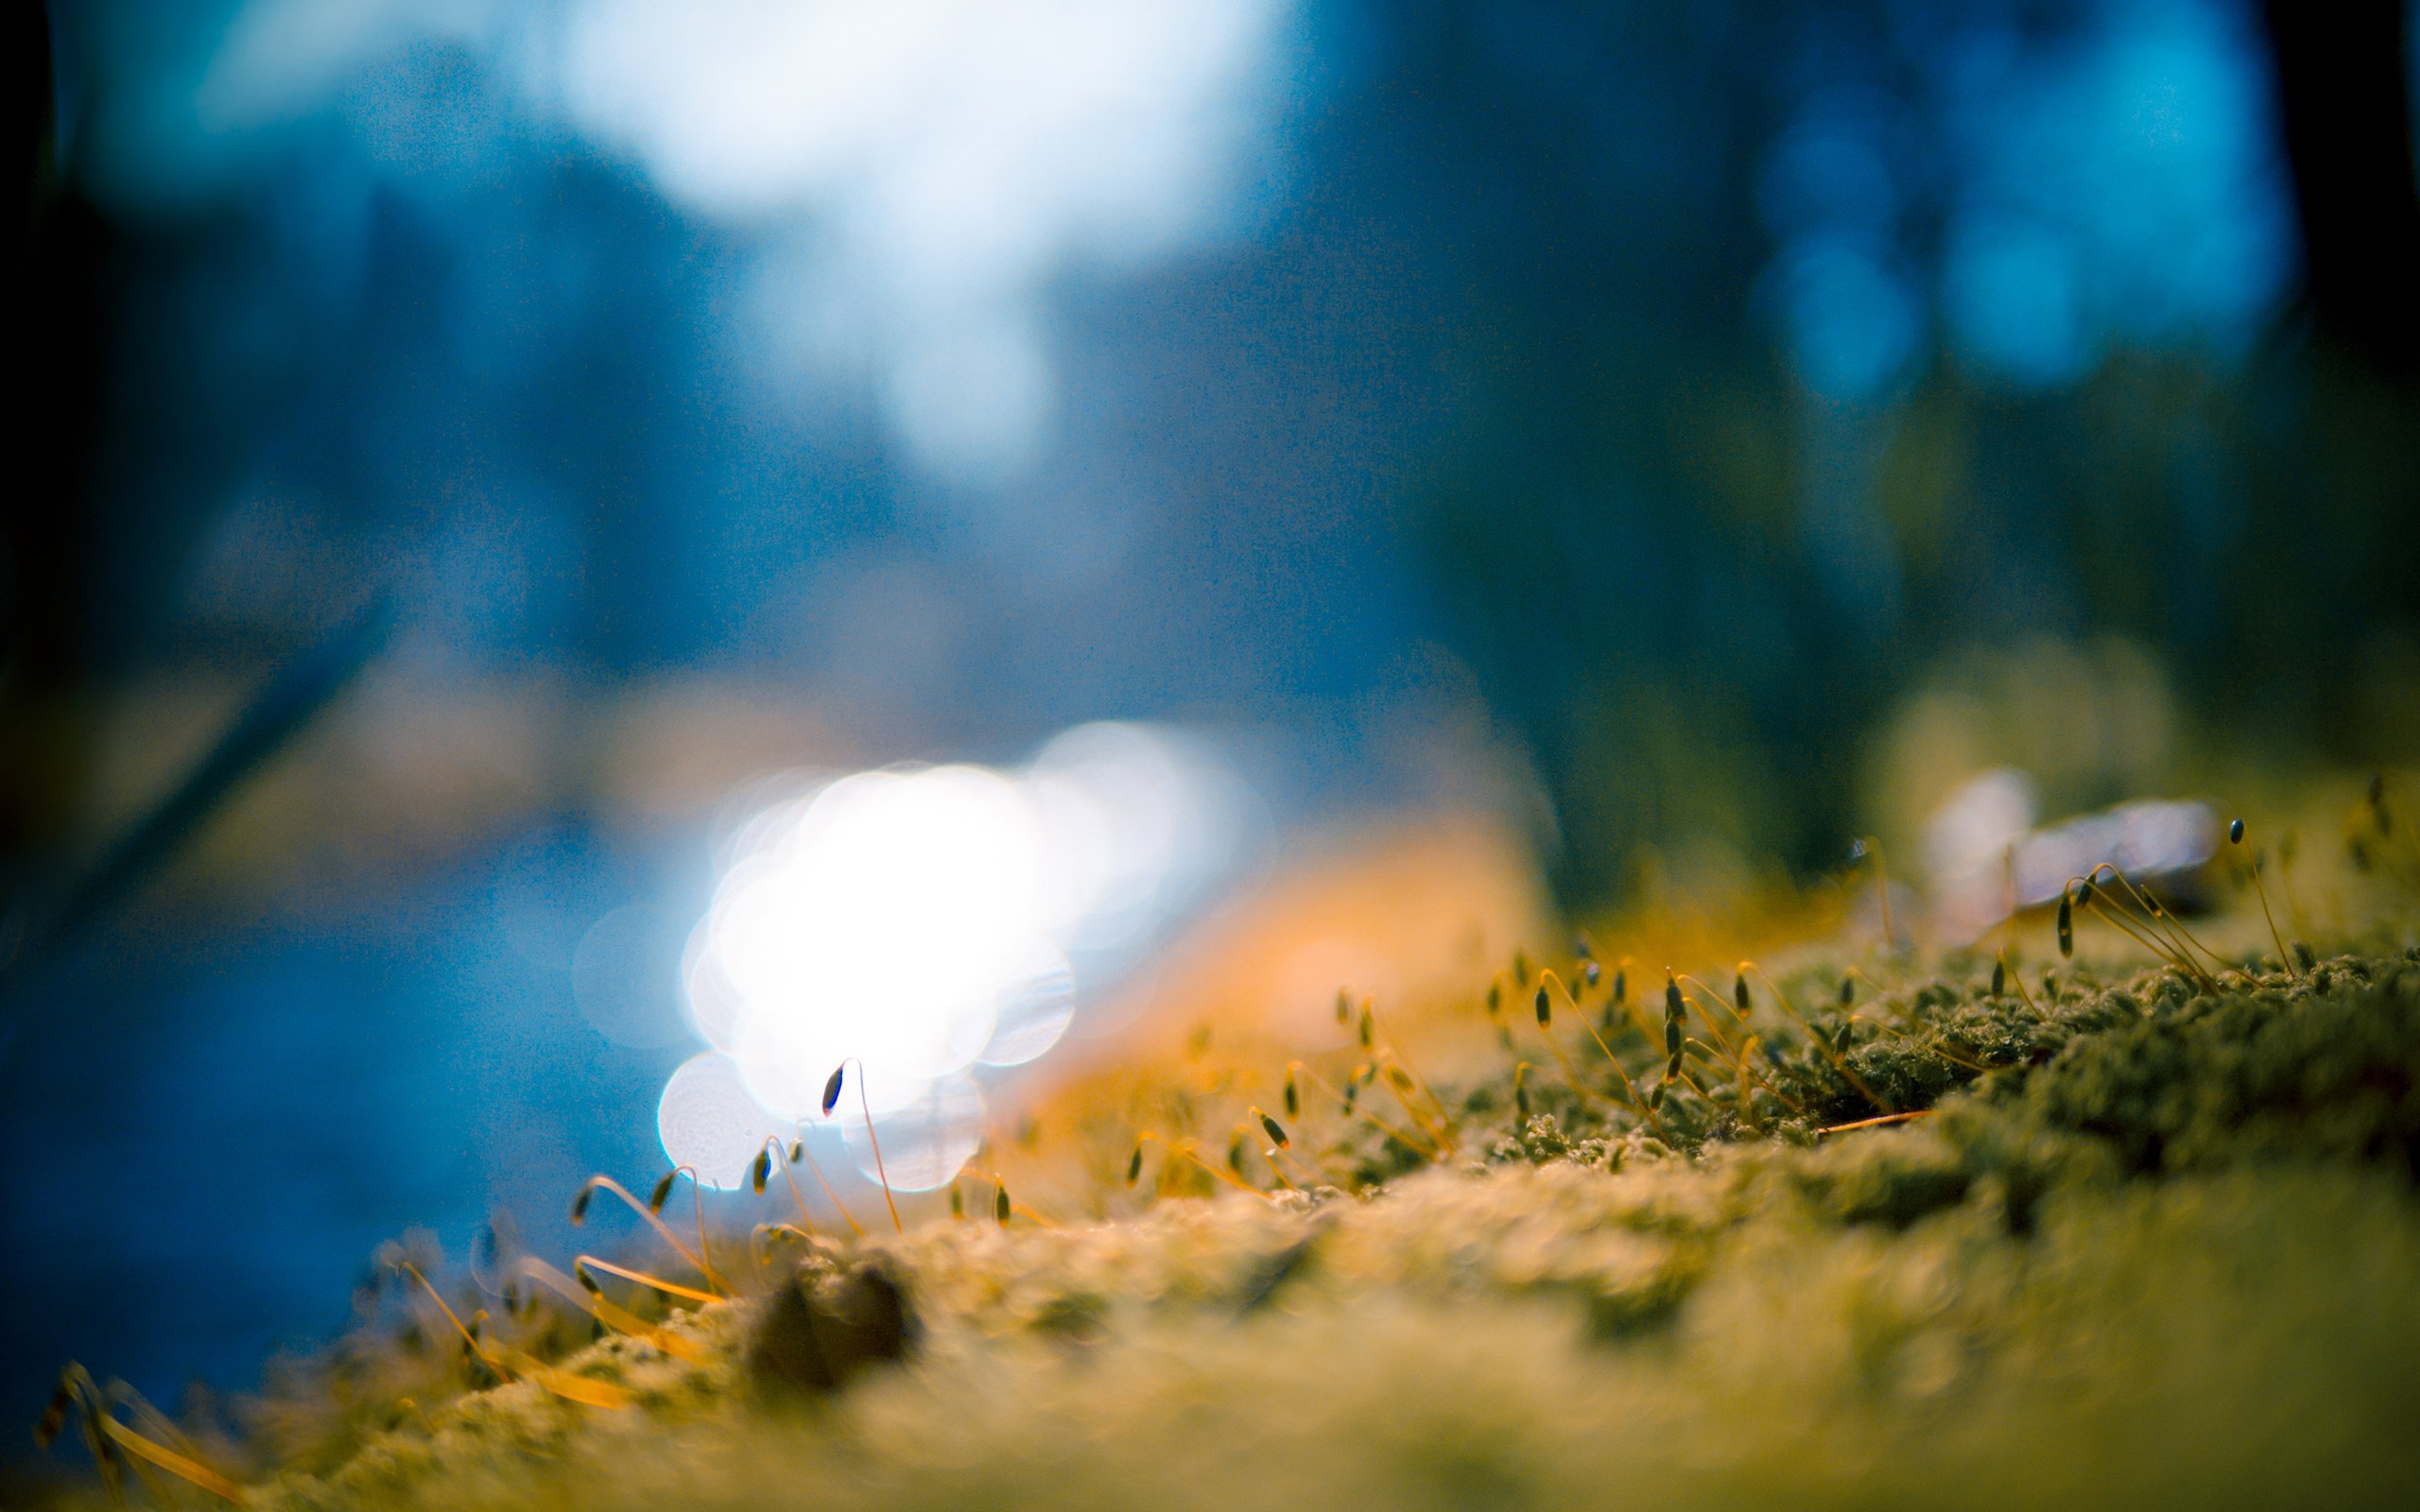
(1407, 914)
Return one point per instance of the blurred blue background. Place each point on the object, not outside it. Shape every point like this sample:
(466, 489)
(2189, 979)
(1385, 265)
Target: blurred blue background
(1610, 417)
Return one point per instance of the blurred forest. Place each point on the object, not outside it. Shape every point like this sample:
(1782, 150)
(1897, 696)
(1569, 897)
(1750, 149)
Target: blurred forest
(1757, 365)
(1703, 569)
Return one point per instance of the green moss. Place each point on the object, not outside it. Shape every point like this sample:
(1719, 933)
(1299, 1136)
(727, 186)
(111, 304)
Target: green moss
(2151, 1244)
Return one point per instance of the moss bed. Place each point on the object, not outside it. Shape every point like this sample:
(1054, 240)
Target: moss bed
(2147, 1240)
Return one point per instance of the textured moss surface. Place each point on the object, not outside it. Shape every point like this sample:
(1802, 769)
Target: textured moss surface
(2155, 1242)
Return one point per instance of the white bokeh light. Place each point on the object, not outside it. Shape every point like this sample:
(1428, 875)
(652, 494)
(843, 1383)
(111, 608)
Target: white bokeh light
(936, 164)
(924, 1144)
(710, 1124)
(912, 177)
(917, 923)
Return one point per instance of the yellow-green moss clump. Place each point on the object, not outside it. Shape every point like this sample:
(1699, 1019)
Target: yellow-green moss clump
(2156, 1244)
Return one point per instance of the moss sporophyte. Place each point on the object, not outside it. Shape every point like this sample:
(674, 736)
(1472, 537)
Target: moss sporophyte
(1860, 1223)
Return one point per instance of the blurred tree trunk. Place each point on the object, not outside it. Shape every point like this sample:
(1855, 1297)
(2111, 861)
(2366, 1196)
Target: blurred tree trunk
(45, 531)
(2345, 105)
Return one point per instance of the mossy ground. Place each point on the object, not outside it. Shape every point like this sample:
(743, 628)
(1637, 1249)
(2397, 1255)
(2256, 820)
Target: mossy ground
(2155, 1241)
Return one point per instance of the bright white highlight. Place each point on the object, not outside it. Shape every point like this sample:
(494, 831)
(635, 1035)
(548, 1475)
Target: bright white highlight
(917, 174)
(924, 1144)
(918, 924)
(708, 1121)
(887, 922)
(946, 158)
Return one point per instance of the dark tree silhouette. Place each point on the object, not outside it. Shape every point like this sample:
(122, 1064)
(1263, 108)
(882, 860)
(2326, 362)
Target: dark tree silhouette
(2345, 106)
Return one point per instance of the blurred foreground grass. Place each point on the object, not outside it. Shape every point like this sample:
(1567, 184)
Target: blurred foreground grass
(2120, 1231)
